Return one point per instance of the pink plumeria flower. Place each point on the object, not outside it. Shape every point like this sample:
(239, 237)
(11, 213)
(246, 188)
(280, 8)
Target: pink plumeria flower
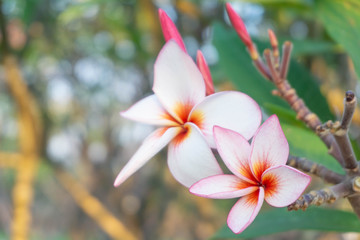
(259, 173)
(170, 32)
(186, 117)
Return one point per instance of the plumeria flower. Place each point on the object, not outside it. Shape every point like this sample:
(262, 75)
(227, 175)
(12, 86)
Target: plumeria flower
(259, 172)
(185, 118)
(170, 32)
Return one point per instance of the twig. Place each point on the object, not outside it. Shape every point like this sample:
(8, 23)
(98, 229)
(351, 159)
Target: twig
(327, 195)
(285, 60)
(341, 133)
(316, 169)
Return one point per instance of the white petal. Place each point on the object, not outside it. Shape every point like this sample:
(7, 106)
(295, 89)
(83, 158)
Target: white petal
(190, 158)
(243, 213)
(283, 185)
(233, 110)
(234, 150)
(178, 82)
(269, 147)
(149, 110)
(222, 186)
(151, 145)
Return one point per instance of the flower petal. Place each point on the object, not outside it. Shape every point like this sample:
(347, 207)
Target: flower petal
(243, 213)
(283, 185)
(169, 29)
(233, 110)
(205, 71)
(178, 82)
(151, 145)
(269, 147)
(222, 186)
(149, 110)
(190, 158)
(234, 150)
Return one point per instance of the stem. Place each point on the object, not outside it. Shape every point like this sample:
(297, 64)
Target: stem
(326, 195)
(341, 133)
(316, 169)
(285, 60)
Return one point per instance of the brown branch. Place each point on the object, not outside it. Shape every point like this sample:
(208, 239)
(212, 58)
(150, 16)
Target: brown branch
(316, 169)
(93, 207)
(262, 68)
(341, 133)
(326, 195)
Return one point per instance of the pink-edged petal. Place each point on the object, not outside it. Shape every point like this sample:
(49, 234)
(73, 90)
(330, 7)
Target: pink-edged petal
(283, 185)
(169, 29)
(149, 110)
(205, 71)
(178, 83)
(190, 158)
(222, 186)
(151, 145)
(269, 147)
(233, 110)
(243, 213)
(234, 150)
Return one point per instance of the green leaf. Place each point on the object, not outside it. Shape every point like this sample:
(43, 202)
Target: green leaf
(238, 68)
(309, 46)
(280, 220)
(341, 19)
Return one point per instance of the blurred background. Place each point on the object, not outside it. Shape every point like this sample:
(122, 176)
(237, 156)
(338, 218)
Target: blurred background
(69, 67)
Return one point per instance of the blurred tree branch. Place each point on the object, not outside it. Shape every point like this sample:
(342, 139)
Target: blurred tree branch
(93, 207)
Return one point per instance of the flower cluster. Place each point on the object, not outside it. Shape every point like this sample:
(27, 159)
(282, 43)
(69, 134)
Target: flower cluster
(192, 119)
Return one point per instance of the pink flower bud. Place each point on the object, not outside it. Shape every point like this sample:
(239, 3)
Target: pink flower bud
(239, 25)
(169, 29)
(205, 71)
(273, 39)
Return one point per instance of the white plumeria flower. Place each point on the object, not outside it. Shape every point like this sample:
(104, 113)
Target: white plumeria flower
(186, 118)
(259, 173)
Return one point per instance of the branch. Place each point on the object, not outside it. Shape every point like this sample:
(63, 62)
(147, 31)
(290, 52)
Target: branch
(316, 169)
(29, 142)
(341, 133)
(327, 195)
(93, 207)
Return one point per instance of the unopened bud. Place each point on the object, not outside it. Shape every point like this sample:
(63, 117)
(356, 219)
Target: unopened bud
(273, 39)
(238, 25)
(205, 71)
(169, 29)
